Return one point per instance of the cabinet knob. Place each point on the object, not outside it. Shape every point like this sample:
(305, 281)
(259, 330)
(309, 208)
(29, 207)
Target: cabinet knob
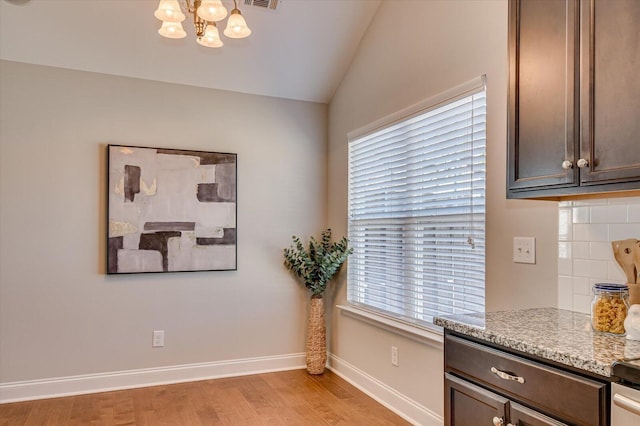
(583, 163)
(566, 164)
(497, 421)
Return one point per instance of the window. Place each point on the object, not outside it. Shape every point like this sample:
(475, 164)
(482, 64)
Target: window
(417, 209)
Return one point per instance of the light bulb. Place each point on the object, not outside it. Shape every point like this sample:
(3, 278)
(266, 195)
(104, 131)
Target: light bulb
(236, 26)
(169, 11)
(211, 37)
(172, 30)
(212, 10)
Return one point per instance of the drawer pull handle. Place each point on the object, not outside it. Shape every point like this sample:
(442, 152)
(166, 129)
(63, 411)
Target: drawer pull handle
(497, 421)
(506, 376)
(627, 403)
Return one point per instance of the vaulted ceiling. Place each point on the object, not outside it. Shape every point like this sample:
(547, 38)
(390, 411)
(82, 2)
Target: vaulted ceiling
(300, 51)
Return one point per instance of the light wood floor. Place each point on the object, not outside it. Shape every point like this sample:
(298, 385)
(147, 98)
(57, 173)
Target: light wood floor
(284, 398)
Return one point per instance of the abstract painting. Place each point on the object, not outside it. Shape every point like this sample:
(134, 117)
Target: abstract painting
(170, 210)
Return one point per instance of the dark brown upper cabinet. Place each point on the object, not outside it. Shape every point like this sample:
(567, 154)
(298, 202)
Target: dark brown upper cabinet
(574, 97)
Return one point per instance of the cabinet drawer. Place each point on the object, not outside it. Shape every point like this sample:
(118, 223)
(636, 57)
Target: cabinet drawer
(561, 394)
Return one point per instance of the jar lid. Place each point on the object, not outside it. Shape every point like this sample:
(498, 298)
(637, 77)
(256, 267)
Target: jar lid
(611, 287)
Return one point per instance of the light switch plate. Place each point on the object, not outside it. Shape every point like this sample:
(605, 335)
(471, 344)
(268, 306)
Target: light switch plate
(524, 250)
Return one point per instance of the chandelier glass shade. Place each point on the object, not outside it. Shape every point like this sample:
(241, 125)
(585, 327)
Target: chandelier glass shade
(172, 30)
(169, 11)
(211, 37)
(212, 10)
(236, 26)
(205, 15)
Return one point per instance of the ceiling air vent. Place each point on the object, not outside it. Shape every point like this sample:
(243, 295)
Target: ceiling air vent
(265, 4)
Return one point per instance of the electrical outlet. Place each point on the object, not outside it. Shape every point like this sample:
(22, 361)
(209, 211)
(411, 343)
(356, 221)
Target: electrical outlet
(524, 250)
(394, 355)
(158, 338)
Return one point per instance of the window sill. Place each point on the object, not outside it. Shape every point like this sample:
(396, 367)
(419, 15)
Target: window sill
(431, 336)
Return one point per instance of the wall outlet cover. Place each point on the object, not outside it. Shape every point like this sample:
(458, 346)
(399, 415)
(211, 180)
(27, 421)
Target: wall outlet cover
(394, 356)
(158, 339)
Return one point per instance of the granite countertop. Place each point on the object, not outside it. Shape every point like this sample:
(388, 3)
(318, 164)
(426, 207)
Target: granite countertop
(553, 334)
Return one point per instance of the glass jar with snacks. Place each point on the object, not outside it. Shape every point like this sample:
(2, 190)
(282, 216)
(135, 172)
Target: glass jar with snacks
(609, 308)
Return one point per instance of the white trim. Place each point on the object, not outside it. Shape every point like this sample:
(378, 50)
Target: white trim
(460, 91)
(431, 336)
(410, 410)
(117, 380)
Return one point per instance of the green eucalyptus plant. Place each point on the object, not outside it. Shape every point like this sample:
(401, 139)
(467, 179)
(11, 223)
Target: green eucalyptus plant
(319, 264)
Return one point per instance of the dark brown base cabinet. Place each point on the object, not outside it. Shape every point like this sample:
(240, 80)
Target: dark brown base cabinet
(488, 386)
(574, 97)
(469, 405)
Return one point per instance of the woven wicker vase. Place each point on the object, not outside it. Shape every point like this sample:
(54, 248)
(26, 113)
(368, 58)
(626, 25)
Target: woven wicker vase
(316, 337)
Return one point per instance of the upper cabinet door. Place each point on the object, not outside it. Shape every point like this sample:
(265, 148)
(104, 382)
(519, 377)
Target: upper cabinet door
(543, 95)
(610, 91)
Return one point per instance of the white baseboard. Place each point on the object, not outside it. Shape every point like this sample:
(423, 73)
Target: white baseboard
(400, 404)
(103, 382)
(405, 407)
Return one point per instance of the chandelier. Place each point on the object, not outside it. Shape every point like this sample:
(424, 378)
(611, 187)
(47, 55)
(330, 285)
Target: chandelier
(205, 15)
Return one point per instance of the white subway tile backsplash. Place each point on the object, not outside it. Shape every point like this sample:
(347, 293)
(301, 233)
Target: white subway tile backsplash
(564, 250)
(615, 274)
(581, 214)
(580, 250)
(565, 225)
(581, 303)
(565, 292)
(598, 269)
(616, 213)
(600, 251)
(581, 268)
(590, 232)
(581, 286)
(622, 232)
(590, 203)
(565, 266)
(628, 201)
(585, 231)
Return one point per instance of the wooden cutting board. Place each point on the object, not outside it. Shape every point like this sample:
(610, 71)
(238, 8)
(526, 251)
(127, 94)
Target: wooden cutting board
(637, 261)
(624, 252)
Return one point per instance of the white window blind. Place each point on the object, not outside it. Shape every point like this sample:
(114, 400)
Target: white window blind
(417, 212)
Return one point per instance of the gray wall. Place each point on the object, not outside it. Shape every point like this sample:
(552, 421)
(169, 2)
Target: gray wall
(60, 315)
(411, 51)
